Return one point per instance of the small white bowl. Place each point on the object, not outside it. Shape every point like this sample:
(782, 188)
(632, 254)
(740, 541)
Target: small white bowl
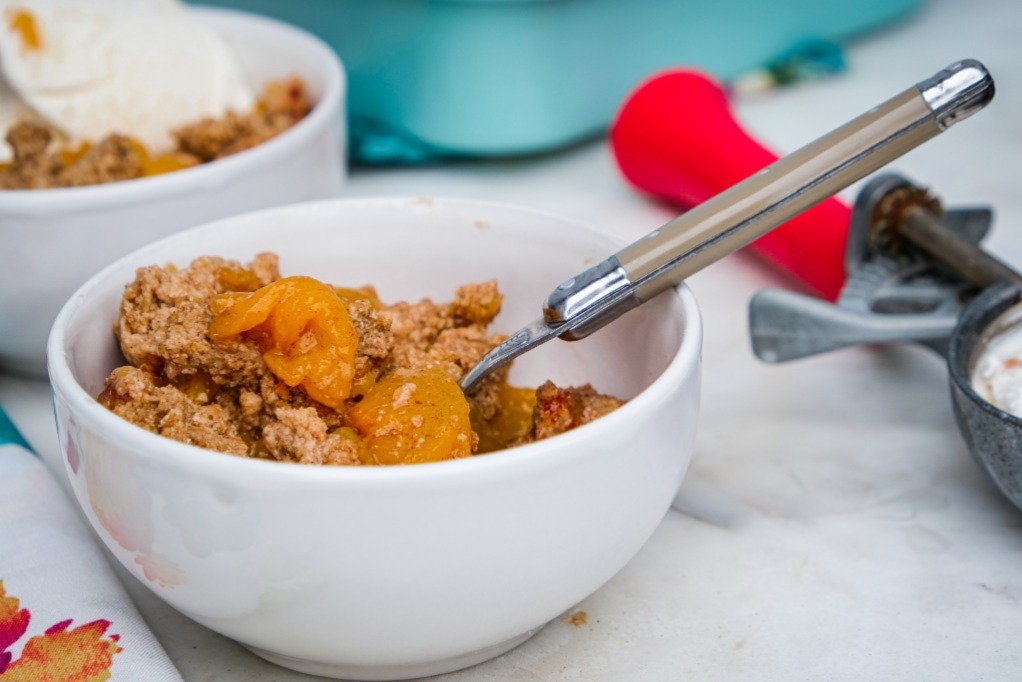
(52, 240)
(390, 572)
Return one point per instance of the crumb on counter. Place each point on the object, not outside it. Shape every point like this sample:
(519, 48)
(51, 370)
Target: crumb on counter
(577, 618)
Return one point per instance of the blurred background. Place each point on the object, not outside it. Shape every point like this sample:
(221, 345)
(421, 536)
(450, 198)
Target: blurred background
(434, 78)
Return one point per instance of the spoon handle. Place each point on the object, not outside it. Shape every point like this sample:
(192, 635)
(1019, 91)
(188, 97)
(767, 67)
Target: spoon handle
(678, 138)
(794, 183)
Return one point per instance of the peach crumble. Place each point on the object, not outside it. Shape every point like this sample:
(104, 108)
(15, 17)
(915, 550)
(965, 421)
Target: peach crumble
(238, 359)
(43, 160)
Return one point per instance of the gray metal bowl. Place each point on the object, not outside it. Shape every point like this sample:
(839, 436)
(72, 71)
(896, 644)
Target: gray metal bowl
(994, 437)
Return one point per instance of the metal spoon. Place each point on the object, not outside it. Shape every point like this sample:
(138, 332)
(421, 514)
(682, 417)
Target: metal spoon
(738, 216)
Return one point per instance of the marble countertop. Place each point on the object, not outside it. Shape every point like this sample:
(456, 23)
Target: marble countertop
(832, 524)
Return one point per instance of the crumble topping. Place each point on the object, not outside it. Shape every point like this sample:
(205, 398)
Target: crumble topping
(222, 395)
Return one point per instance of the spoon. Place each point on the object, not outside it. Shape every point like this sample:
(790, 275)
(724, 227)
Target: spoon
(734, 218)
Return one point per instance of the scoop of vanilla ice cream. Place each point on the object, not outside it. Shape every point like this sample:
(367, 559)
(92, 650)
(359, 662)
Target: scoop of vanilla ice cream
(136, 67)
(998, 376)
(1001, 385)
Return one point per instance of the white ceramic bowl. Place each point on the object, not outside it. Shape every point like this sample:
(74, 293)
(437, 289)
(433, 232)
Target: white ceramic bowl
(52, 240)
(390, 572)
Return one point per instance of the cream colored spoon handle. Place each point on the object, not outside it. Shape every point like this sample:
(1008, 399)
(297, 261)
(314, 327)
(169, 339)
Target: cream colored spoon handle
(776, 194)
(760, 203)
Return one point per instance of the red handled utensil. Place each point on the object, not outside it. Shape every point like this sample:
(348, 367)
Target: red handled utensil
(676, 137)
(916, 271)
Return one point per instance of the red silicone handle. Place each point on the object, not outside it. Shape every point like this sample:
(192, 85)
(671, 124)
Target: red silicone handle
(676, 137)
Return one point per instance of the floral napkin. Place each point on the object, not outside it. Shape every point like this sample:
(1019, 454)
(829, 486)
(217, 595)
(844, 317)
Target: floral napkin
(63, 613)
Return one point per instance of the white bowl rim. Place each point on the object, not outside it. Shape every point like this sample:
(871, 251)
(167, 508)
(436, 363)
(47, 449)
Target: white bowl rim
(148, 445)
(207, 175)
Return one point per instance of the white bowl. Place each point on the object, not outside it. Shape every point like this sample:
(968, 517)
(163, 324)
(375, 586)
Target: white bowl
(53, 240)
(390, 572)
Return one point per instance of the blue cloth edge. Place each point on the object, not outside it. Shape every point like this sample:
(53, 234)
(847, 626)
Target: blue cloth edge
(9, 434)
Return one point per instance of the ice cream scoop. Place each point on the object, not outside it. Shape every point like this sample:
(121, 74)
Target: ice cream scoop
(94, 67)
(917, 273)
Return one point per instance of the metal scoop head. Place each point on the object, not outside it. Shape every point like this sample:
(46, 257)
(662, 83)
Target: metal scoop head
(917, 273)
(994, 437)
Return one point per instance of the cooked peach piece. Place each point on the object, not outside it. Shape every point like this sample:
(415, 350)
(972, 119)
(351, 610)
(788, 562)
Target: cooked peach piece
(303, 329)
(413, 416)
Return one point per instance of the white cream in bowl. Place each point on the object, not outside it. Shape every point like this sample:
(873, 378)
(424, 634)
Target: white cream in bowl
(997, 373)
(91, 68)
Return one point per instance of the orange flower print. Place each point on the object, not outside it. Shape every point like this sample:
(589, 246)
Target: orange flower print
(61, 654)
(13, 623)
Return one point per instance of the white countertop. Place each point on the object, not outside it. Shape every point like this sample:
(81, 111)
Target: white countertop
(832, 524)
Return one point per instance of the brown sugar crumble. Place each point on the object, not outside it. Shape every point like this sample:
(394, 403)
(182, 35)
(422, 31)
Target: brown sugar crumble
(42, 160)
(228, 357)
